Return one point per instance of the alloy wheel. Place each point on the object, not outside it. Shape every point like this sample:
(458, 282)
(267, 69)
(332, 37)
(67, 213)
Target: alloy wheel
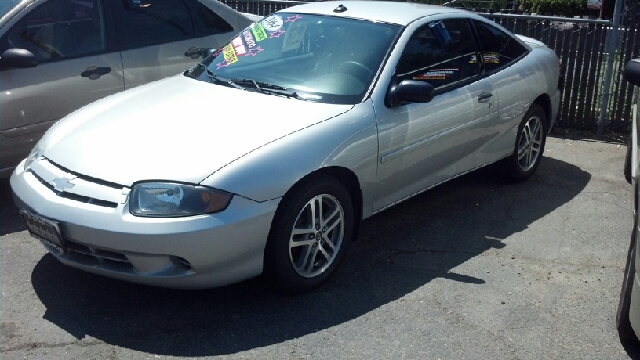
(316, 236)
(530, 143)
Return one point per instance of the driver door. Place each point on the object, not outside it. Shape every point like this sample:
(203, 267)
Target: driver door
(423, 144)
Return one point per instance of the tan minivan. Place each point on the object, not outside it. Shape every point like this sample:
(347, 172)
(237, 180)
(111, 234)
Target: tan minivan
(59, 55)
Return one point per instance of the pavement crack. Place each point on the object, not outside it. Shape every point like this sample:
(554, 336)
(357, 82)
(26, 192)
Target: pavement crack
(395, 252)
(34, 345)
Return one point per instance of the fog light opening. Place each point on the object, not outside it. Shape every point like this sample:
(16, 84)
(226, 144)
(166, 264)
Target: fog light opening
(181, 263)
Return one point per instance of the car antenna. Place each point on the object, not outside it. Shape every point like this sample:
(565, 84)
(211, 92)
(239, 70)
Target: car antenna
(340, 9)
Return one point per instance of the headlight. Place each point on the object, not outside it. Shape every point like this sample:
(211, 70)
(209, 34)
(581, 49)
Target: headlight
(175, 200)
(35, 154)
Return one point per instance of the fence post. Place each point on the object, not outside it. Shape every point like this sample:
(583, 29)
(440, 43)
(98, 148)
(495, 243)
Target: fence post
(610, 48)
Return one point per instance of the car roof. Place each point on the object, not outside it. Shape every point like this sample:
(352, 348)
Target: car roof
(13, 10)
(401, 13)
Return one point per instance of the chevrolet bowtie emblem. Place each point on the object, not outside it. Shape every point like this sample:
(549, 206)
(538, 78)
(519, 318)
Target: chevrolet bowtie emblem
(62, 184)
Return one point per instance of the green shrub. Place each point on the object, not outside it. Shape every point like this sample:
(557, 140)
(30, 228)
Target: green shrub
(554, 7)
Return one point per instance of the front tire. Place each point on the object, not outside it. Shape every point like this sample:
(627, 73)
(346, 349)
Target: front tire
(532, 135)
(309, 235)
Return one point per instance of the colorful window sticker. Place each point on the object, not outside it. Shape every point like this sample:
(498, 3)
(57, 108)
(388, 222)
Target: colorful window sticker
(254, 51)
(436, 74)
(217, 52)
(259, 32)
(272, 23)
(222, 64)
(276, 34)
(491, 58)
(293, 18)
(248, 38)
(488, 58)
(229, 54)
(238, 46)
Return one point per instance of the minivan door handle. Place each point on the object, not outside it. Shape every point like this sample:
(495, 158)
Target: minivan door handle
(94, 72)
(195, 52)
(484, 97)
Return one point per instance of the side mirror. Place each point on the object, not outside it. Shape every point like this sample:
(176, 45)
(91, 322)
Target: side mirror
(409, 91)
(632, 72)
(17, 58)
(208, 52)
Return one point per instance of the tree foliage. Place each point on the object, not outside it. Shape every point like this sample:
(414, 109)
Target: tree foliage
(554, 7)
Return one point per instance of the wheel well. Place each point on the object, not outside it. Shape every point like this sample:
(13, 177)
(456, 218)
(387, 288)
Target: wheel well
(545, 102)
(349, 180)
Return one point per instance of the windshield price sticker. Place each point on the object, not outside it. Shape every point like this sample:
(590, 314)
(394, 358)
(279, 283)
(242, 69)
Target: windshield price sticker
(248, 38)
(230, 54)
(259, 33)
(272, 23)
(238, 46)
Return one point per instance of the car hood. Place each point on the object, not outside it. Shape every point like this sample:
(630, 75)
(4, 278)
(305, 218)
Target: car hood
(176, 129)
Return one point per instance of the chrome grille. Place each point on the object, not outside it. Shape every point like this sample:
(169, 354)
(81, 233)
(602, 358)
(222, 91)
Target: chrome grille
(82, 188)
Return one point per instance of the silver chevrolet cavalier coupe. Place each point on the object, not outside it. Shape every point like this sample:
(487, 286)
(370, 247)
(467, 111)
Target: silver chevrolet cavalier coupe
(266, 156)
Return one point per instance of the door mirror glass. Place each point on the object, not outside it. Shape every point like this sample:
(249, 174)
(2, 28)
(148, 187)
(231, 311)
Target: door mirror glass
(409, 91)
(17, 58)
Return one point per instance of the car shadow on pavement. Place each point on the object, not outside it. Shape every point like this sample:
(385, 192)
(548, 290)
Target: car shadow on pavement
(398, 251)
(10, 221)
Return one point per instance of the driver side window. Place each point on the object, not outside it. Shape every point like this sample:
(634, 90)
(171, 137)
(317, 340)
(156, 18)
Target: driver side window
(441, 53)
(59, 29)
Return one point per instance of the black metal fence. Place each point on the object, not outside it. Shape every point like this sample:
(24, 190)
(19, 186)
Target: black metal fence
(579, 43)
(262, 8)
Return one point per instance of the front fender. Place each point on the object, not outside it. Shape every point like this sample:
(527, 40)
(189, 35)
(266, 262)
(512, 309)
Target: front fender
(348, 140)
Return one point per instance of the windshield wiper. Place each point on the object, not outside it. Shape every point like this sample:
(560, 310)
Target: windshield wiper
(267, 88)
(213, 78)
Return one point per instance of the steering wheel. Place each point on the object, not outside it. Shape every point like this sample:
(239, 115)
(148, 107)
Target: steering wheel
(355, 69)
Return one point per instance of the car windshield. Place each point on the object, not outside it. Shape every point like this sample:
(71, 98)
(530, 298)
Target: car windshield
(311, 57)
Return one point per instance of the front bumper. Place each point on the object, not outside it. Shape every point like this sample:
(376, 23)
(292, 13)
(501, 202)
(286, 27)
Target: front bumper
(104, 238)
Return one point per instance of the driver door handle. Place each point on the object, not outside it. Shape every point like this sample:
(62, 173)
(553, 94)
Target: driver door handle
(484, 97)
(94, 72)
(195, 52)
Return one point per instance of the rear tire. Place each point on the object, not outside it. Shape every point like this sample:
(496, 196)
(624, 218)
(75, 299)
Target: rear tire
(309, 235)
(532, 135)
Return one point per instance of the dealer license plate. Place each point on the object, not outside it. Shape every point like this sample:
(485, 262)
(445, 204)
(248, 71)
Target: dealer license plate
(43, 229)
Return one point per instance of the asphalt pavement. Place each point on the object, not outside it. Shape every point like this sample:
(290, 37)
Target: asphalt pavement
(474, 269)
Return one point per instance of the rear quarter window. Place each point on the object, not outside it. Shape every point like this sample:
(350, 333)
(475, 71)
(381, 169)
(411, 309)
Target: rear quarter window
(498, 49)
